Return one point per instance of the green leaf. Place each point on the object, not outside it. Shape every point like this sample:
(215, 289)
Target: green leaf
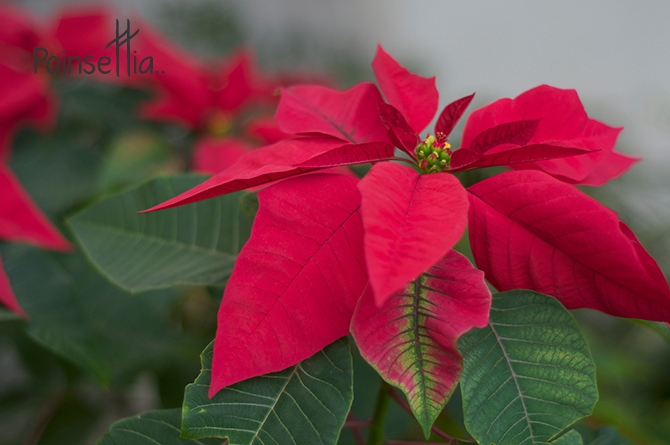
(58, 171)
(305, 404)
(571, 438)
(151, 428)
(195, 244)
(528, 375)
(81, 316)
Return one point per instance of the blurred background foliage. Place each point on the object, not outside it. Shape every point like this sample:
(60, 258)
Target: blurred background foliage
(92, 353)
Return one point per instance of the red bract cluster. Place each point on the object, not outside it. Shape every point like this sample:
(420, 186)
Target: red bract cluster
(329, 255)
(212, 100)
(26, 100)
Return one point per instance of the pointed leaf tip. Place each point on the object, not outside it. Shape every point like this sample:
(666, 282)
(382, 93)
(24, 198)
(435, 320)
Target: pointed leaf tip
(414, 96)
(411, 339)
(258, 167)
(451, 114)
(411, 221)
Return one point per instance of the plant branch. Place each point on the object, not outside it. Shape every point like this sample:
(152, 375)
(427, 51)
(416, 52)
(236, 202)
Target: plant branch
(355, 426)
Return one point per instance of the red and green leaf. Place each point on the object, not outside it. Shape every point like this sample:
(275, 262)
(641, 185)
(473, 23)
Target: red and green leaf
(531, 231)
(414, 96)
(411, 221)
(348, 115)
(411, 339)
(286, 298)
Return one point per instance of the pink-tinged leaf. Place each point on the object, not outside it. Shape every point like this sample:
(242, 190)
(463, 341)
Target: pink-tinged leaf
(258, 167)
(349, 115)
(465, 159)
(19, 31)
(296, 281)
(450, 116)
(351, 154)
(234, 86)
(411, 221)
(531, 231)
(213, 155)
(182, 95)
(414, 96)
(411, 339)
(563, 122)
(21, 220)
(266, 129)
(399, 131)
(515, 133)
(7, 297)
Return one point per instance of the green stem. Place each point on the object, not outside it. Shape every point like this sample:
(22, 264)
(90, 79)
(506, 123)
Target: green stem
(381, 407)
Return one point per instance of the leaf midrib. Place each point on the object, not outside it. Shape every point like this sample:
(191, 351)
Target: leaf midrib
(516, 381)
(154, 239)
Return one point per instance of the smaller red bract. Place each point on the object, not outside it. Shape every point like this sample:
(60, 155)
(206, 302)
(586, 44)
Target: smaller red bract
(397, 228)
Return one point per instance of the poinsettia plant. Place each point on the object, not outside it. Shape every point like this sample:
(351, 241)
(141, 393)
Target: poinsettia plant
(331, 255)
(358, 251)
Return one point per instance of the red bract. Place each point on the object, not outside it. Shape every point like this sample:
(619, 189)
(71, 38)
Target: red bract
(26, 101)
(193, 94)
(402, 210)
(21, 221)
(563, 122)
(287, 292)
(212, 99)
(527, 229)
(531, 231)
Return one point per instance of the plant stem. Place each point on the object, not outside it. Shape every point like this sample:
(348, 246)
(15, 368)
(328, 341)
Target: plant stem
(355, 426)
(376, 436)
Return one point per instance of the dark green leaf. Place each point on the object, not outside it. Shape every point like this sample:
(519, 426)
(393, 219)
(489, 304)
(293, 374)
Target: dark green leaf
(305, 404)
(81, 316)
(151, 428)
(194, 244)
(528, 375)
(58, 171)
